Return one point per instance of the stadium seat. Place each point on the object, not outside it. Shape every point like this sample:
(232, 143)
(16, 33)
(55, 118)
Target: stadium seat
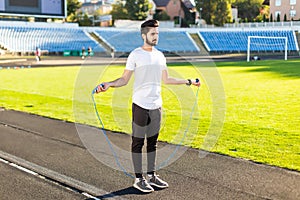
(230, 41)
(25, 38)
(126, 41)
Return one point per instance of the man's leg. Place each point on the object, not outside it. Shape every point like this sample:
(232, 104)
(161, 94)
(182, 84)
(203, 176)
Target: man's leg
(140, 120)
(152, 136)
(151, 153)
(136, 153)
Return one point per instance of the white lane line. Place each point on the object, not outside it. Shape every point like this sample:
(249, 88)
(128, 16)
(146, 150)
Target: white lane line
(4, 161)
(23, 169)
(55, 177)
(89, 196)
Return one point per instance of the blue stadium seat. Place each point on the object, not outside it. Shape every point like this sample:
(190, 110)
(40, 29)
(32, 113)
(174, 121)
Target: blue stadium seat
(230, 41)
(121, 41)
(126, 41)
(27, 38)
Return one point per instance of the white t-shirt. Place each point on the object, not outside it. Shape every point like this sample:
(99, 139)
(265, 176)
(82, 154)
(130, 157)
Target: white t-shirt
(147, 67)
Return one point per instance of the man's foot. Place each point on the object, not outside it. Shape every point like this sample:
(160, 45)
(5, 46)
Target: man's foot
(157, 182)
(142, 185)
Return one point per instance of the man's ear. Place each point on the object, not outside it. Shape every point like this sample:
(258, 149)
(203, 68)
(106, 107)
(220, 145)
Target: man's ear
(144, 36)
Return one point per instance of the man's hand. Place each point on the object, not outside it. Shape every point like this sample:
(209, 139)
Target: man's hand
(102, 87)
(196, 82)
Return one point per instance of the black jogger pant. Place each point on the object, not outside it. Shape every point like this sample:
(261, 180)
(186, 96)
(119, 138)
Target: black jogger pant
(145, 124)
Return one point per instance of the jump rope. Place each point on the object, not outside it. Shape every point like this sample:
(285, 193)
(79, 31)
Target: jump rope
(111, 146)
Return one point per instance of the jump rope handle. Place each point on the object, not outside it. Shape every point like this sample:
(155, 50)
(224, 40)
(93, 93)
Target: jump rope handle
(95, 90)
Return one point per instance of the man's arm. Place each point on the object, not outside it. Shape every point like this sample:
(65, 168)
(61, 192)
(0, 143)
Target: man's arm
(119, 82)
(175, 81)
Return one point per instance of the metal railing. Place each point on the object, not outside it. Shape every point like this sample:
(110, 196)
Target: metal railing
(289, 24)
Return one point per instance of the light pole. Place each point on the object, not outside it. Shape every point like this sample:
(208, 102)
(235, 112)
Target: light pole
(94, 11)
(200, 12)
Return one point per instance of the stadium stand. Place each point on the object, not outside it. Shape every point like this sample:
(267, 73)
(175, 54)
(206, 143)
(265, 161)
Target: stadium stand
(177, 41)
(25, 37)
(127, 40)
(231, 40)
(120, 40)
(59, 38)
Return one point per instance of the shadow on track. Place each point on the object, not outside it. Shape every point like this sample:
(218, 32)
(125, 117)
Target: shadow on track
(123, 192)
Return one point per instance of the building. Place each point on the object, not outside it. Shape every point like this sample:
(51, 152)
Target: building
(290, 8)
(100, 8)
(91, 7)
(174, 8)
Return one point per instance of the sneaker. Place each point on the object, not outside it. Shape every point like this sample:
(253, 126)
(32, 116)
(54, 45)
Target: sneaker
(142, 185)
(157, 182)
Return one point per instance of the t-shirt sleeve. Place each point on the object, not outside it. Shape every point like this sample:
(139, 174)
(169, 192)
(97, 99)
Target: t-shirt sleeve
(130, 63)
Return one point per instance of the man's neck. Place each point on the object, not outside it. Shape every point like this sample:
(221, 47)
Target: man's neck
(147, 47)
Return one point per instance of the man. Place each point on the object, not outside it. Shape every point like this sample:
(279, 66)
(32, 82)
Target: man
(38, 54)
(83, 52)
(149, 67)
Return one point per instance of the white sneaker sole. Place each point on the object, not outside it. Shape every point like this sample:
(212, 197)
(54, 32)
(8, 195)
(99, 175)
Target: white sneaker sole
(159, 186)
(145, 191)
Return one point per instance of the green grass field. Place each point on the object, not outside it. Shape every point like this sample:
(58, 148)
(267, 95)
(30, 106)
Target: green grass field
(261, 114)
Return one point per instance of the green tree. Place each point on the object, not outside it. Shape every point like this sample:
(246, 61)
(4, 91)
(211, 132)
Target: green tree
(221, 13)
(259, 18)
(249, 9)
(271, 17)
(265, 18)
(119, 11)
(84, 20)
(214, 11)
(137, 9)
(285, 18)
(72, 7)
(163, 15)
(206, 7)
(278, 17)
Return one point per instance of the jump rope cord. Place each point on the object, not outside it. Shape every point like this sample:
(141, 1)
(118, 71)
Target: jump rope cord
(111, 146)
(163, 164)
(108, 141)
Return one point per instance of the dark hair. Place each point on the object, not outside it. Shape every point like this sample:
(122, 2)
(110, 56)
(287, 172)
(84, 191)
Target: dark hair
(148, 24)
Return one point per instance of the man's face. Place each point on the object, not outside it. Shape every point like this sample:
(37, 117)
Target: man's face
(152, 36)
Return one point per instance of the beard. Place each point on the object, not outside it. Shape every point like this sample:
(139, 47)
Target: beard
(151, 43)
